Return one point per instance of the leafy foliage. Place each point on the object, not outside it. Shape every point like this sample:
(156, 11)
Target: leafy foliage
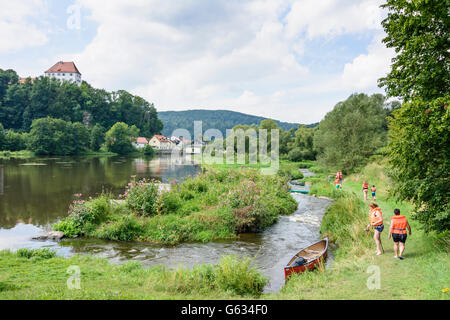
(216, 119)
(419, 154)
(22, 103)
(352, 132)
(57, 137)
(118, 139)
(419, 31)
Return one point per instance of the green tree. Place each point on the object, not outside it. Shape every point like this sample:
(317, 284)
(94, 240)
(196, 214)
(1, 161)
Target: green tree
(80, 138)
(352, 132)
(419, 154)
(118, 139)
(7, 78)
(50, 136)
(97, 137)
(419, 31)
(2, 137)
(286, 140)
(303, 144)
(14, 141)
(148, 150)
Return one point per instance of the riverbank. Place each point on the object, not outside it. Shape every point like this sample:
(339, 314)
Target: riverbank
(353, 274)
(25, 154)
(422, 275)
(217, 204)
(39, 275)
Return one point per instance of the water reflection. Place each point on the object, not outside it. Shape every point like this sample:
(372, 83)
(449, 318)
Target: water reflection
(39, 195)
(39, 191)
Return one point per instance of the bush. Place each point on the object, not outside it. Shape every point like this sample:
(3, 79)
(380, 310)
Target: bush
(295, 155)
(148, 151)
(127, 228)
(144, 198)
(82, 214)
(238, 277)
(36, 254)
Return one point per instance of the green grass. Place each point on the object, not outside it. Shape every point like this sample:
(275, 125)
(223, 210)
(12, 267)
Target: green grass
(422, 275)
(217, 204)
(47, 279)
(25, 154)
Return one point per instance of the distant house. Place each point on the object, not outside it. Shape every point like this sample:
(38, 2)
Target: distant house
(65, 71)
(159, 142)
(140, 142)
(24, 80)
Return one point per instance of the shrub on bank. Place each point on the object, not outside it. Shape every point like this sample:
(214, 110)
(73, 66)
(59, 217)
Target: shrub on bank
(143, 197)
(213, 205)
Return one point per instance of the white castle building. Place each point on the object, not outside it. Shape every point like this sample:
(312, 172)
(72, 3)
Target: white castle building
(66, 71)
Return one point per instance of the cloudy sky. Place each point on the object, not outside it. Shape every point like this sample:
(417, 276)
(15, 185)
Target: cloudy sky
(290, 60)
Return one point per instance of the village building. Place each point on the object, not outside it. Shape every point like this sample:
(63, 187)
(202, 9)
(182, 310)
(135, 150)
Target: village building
(140, 142)
(65, 71)
(24, 80)
(159, 142)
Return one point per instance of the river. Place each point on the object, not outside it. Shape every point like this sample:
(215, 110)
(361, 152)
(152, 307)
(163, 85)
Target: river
(36, 193)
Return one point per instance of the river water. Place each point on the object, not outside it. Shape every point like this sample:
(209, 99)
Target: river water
(35, 194)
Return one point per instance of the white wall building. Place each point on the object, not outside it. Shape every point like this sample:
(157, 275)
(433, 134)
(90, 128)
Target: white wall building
(65, 71)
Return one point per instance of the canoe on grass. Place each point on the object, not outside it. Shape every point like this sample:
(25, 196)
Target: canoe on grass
(307, 259)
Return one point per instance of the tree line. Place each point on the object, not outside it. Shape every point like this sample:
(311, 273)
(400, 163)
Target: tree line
(85, 114)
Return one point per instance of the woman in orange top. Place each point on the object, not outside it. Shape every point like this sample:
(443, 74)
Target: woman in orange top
(399, 224)
(376, 220)
(365, 189)
(337, 183)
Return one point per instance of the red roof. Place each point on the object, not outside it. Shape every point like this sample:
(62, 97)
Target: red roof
(142, 140)
(161, 138)
(66, 67)
(24, 80)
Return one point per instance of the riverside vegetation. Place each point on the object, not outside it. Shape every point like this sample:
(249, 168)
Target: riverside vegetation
(217, 204)
(30, 274)
(426, 255)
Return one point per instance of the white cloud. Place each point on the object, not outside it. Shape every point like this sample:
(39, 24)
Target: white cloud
(363, 72)
(16, 31)
(229, 54)
(333, 17)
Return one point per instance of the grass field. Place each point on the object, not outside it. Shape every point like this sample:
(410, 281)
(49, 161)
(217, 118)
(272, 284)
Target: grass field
(422, 275)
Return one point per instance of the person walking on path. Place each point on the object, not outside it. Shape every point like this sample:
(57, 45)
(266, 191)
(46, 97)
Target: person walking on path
(339, 176)
(365, 189)
(337, 183)
(373, 189)
(399, 224)
(376, 221)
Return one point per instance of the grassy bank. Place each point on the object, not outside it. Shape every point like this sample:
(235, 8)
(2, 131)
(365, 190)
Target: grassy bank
(36, 275)
(422, 275)
(25, 154)
(218, 204)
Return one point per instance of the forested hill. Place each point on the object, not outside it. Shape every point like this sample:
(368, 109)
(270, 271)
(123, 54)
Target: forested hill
(212, 119)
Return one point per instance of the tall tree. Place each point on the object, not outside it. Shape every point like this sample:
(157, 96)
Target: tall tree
(118, 139)
(352, 132)
(419, 31)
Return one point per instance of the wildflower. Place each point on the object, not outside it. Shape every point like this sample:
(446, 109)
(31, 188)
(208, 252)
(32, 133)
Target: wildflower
(445, 290)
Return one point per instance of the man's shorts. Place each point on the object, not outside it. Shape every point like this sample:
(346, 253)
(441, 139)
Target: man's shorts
(380, 228)
(373, 194)
(399, 237)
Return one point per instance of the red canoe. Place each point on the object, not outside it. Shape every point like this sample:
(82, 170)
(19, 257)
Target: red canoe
(309, 258)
